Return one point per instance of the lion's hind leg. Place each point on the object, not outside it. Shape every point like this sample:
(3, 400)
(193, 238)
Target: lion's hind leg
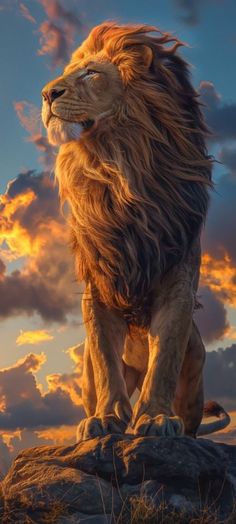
(131, 376)
(189, 399)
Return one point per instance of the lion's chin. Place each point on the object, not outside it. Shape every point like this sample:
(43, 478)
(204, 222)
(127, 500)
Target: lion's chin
(60, 132)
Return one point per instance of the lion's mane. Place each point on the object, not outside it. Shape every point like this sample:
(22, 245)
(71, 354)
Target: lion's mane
(139, 191)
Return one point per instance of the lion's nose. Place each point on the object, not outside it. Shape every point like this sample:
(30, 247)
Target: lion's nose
(52, 94)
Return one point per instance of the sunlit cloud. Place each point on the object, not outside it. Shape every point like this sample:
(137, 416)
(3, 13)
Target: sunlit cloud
(64, 435)
(33, 337)
(220, 276)
(76, 354)
(30, 416)
(70, 382)
(58, 31)
(27, 407)
(12, 233)
(33, 228)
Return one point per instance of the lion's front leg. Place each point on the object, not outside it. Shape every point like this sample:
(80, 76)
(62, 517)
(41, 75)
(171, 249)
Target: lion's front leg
(105, 342)
(168, 338)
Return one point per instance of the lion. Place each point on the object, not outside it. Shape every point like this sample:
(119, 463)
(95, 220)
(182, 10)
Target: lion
(134, 167)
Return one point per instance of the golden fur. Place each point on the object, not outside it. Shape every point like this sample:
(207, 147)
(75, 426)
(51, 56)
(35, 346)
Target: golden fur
(134, 167)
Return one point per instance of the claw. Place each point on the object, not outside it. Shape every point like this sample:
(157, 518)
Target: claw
(93, 427)
(161, 426)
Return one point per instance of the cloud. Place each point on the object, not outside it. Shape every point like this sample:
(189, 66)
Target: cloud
(70, 382)
(219, 376)
(5, 458)
(13, 442)
(228, 157)
(30, 417)
(24, 10)
(191, 9)
(221, 117)
(219, 235)
(25, 406)
(30, 118)
(32, 227)
(33, 337)
(212, 318)
(219, 275)
(58, 31)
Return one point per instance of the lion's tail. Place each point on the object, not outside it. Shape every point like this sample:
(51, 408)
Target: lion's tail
(213, 409)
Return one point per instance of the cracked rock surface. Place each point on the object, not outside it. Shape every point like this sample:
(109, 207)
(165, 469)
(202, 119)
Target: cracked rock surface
(92, 481)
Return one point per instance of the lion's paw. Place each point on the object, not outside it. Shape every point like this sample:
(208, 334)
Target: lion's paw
(92, 427)
(159, 426)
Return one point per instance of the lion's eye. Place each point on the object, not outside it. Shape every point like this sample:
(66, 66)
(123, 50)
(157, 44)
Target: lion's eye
(89, 73)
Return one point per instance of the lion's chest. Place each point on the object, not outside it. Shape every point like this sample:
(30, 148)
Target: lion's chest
(121, 261)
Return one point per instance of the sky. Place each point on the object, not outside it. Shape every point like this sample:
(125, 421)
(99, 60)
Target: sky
(40, 320)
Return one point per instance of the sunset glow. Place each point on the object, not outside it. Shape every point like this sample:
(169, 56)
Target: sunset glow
(33, 337)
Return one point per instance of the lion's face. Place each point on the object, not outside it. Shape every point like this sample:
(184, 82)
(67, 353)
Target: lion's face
(80, 99)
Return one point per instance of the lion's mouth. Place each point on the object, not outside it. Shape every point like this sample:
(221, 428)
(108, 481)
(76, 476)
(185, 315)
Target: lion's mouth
(85, 124)
(61, 130)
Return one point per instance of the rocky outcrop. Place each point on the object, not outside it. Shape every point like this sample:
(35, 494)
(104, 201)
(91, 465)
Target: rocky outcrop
(91, 480)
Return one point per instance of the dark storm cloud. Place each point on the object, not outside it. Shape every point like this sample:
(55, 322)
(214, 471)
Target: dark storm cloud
(212, 318)
(221, 117)
(28, 294)
(219, 375)
(31, 218)
(25, 406)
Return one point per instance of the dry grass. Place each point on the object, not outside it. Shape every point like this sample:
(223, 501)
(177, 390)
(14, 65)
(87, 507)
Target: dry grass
(138, 510)
(143, 511)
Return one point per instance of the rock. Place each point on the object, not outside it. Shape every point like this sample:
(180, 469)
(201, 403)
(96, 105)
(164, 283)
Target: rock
(93, 481)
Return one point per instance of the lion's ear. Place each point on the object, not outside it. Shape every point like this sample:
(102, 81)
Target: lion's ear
(142, 53)
(147, 55)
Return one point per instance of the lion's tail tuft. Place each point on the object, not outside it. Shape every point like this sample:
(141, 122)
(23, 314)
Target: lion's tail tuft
(213, 409)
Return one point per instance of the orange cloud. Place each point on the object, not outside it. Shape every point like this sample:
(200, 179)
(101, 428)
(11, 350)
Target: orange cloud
(33, 337)
(32, 227)
(12, 232)
(76, 354)
(231, 333)
(15, 231)
(64, 435)
(70, 383)
(220, 276)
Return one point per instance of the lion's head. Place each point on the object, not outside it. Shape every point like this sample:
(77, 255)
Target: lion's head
(132, 162)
